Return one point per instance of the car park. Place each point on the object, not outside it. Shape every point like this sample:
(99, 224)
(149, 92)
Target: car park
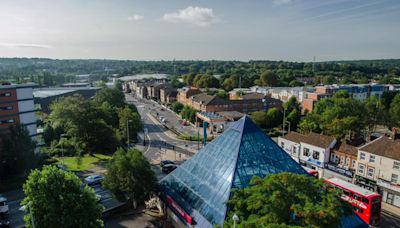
(165, 162)
(168, 168)
(94, 179)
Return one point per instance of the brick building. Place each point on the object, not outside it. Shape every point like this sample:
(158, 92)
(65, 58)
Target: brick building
(17, 106)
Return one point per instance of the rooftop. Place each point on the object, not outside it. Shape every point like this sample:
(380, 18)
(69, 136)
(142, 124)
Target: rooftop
(143, 76)
(49, 92)
(384, 146)
(313, 139)
(15, 86)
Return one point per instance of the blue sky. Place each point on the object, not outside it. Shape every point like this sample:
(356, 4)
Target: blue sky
(294, 30)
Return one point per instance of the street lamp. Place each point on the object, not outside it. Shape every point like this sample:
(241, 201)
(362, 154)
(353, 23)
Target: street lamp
(235, 219)
(62, 147)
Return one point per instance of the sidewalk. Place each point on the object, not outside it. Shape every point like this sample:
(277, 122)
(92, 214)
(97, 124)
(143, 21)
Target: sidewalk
(390, 209)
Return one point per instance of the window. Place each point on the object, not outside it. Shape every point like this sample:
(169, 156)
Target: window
(362, 156)
(282, 144)
(347, 161)
(5, 94)
(6, 121)
(347, 193)
(6, 108)
(341, 159)
(365, 200)
(396, 165)
(394, 178)
(306, 152)
(353, 163)
(372, 158)
(371, 172)
(361, 168)
(315, 155)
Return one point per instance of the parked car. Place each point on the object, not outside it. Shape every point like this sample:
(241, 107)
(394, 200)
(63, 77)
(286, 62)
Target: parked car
(3, 205)
(94, 179)
(98, 197)
(168, 168)
(165, 162)
(62, 167)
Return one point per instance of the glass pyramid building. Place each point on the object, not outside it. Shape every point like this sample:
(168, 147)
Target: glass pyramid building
(202, 185)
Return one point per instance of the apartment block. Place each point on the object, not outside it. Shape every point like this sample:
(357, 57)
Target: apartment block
(17, 106)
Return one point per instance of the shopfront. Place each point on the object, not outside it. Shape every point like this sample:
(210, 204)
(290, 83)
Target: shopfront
(390, 193)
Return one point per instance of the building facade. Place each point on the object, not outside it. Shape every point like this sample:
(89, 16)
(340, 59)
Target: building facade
(378, 168)
(311, 150)
(17, 107)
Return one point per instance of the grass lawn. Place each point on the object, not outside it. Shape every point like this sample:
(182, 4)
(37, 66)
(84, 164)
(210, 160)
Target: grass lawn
(88, 162)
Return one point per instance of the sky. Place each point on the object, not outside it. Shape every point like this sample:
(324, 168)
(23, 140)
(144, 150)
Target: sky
(291, 30)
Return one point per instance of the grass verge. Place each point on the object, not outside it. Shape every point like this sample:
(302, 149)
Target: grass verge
(87, 162)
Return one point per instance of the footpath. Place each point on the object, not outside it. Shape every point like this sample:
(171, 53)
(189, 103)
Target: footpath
(390, 209)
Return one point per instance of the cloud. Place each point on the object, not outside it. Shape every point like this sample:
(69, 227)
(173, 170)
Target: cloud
(135, 17)
(192, 15)
(282, 2)
(25, 45)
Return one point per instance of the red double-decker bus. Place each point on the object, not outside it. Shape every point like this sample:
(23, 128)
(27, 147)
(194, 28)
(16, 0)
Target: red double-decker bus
(366, 204)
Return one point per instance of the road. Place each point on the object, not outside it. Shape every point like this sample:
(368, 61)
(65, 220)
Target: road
(159, 139)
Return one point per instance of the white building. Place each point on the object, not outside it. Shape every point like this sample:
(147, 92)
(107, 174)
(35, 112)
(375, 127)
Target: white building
(378, 168)
(311, 150)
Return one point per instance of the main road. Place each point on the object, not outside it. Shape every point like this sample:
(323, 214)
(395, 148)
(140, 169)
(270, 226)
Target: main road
(159, 139)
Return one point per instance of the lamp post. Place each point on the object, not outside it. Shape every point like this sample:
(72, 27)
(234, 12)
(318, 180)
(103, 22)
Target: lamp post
(284, 120)
(235, 219)
(289, 125)
(127, 129)
(62, 147)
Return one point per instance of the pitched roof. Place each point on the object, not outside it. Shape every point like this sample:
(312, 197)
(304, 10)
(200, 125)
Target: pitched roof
(202, 185)
(314, 139)
(206, 99)
(384, 146)
(342, 146)
(252, 96)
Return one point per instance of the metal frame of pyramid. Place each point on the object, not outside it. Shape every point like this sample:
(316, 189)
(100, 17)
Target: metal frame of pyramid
(201, 186)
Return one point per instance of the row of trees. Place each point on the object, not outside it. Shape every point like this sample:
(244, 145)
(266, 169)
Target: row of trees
(95, 126)
(57, 198)
(22, 68)
(342, 116)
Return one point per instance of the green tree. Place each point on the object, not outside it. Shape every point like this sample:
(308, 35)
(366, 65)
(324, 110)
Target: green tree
(273, 118)
(55, 198)
(293, 112)
(17, 152)
(177, 107)
(127, 116)
(129, 176)
(337, 116)
(260, 118)
(83, 120)
(268, 78)
(113, 96)
(222, 94)
(395, 110)
(287, 199)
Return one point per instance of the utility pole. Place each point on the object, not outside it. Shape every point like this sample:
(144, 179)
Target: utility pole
(283, 124)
